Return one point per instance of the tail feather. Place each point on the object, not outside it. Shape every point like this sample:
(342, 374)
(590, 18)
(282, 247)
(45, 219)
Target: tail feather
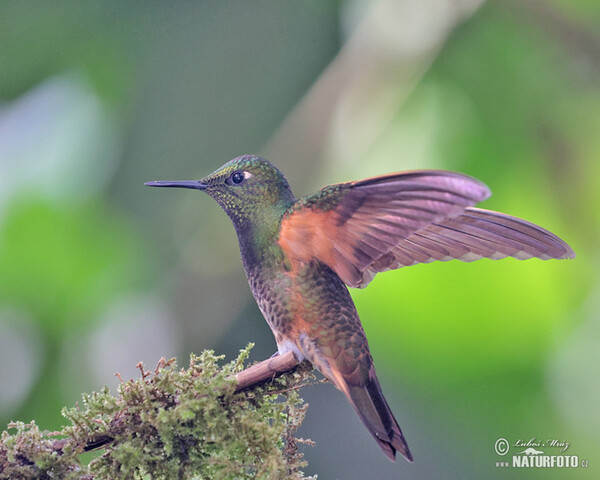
(370, 405)
(358, 381)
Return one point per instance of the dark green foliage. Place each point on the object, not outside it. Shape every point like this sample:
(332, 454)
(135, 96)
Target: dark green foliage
(170, 424)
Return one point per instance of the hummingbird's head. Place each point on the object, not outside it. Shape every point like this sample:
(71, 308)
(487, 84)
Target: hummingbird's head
(249, 188)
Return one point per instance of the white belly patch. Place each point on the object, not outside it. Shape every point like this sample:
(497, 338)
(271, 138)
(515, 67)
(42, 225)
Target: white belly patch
(289, 346)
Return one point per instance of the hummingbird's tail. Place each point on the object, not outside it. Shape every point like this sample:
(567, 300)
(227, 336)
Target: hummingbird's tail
(358, 381)
(370, 405)
(366, 397)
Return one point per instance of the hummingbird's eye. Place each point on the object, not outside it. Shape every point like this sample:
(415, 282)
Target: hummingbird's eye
(237, 178)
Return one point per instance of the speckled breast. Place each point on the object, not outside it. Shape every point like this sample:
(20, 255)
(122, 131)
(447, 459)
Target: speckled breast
(308, 300)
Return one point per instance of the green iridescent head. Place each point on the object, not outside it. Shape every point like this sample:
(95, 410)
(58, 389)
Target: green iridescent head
(249, 188)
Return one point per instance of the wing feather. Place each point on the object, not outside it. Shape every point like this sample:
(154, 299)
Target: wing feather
(472, 235)
(349, 226)
(382, 223)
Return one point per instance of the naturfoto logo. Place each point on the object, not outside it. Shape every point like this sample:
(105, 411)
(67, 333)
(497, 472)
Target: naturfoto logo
(534, 453)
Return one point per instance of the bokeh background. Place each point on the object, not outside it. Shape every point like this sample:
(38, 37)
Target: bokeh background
(98, 272)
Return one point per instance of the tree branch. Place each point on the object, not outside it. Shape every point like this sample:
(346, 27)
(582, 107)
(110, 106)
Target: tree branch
(251, 377)
(174, 421)
(266, 370)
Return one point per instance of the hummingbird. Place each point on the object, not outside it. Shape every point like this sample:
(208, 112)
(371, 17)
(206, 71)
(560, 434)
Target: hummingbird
(301, 255)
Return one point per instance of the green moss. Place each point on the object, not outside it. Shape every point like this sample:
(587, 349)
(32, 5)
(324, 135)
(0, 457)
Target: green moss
(171, 423)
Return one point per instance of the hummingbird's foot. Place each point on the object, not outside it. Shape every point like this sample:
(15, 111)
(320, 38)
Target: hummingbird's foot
(276, 354)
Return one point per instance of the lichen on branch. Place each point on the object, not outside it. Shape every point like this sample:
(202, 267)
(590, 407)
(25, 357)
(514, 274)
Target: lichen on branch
(172, 423)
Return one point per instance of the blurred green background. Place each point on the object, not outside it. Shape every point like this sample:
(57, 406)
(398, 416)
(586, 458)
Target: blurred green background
(98, 272)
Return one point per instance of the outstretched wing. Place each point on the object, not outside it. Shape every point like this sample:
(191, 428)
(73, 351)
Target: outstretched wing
(387, 222)
(474, 234)
(349, 226)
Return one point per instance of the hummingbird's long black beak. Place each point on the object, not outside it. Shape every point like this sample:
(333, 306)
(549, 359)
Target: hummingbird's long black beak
(182, 184)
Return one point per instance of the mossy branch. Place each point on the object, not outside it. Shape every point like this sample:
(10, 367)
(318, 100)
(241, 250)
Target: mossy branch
(206, 421)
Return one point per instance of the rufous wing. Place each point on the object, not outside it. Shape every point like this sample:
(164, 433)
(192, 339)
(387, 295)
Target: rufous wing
(474, 234)
(382, 223)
